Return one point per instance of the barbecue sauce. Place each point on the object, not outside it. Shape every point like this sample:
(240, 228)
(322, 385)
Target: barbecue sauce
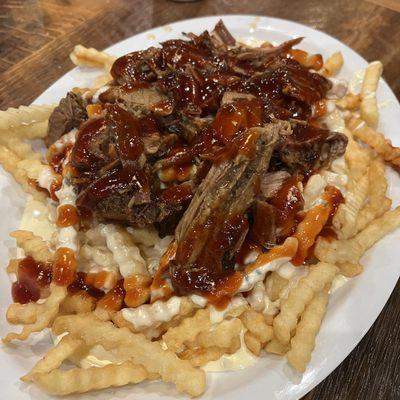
(32, 277)
(211, 269)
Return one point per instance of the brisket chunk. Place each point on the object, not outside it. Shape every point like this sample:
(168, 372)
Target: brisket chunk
(69, 114)
(214, 226)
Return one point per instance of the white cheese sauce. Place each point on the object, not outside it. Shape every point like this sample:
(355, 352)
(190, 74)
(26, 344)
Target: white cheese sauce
(127, 257)
(153, 314)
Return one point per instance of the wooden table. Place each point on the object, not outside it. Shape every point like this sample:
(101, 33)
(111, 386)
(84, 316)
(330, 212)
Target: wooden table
(37, 36)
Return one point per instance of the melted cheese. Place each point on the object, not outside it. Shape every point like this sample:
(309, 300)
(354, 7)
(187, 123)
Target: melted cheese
(258, 275)
(243, 358)
(38, 218)
(46, 177)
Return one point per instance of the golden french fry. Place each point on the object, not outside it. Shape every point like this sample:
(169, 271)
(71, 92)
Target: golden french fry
(187, 330)
(275, 285)
(37, 130)
(24, 116)
(369, 108)
(252, 343)
(303, 342)
(9, 161)
(350, 270)
(21, 149)
(346, 216)
(256, 324)
(22, 313)
(349, 102)
(378, 203)
(90, 57)
(32, 245)
(276, 347)
(292, 307)
(78, 380)
(136, 347)
(333, 64)
(375, 140)
(357, 158)
(351, 250)
(55, 357)
(45, 314)
(225, 334)
(201, 356)
(12, 266)
(77, 303)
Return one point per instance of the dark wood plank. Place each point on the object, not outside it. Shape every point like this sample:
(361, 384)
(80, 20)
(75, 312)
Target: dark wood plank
(37, 36)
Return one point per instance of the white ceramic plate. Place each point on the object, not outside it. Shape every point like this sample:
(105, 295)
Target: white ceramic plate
(352, 309)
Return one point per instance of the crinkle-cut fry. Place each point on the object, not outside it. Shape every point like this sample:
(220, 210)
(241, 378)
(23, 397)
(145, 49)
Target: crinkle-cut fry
(147, 236)
(186, 309)
(187, 330)
(276, 347)
(9, 161)
(12, 266)
(77, 303)
(33, 168)
(256, 324)
(54, 357)
(22, 313)
(224, 335)
(333, 64)
(292, 307)
(345, 219)
(37, 130)
(252, 343)
(24, 115)
(349, 102)
(137, 347)
(350, 270)
(369, 108)
(125, 251)
(79, 380)
(45, 314)
(21, 149)
(377, 203)
(32, 245)
(351, 250)
(89, 57)
(375, 140)
(275, 285)
(303, 342)
(201, 356)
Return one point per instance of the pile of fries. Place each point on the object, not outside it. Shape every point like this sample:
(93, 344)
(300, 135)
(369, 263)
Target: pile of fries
(174, 350)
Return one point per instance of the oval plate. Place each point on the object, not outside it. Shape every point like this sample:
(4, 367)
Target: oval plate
(352, 309)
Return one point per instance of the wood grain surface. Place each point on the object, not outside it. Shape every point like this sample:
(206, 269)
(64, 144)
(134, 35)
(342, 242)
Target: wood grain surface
(37, 36)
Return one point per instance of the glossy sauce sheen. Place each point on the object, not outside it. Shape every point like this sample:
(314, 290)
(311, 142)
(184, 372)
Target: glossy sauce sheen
(288, 202)
(32, 277)
(64, 266)
(67, 215)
